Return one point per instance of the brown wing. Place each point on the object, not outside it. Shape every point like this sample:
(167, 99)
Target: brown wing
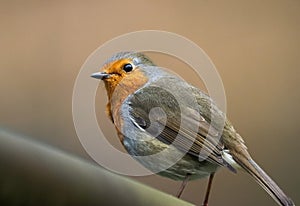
(176, 123)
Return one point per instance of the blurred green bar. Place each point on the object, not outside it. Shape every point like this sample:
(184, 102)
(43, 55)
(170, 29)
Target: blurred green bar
(32, 173)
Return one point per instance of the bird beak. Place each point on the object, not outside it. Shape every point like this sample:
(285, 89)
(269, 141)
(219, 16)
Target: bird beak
(100, 75)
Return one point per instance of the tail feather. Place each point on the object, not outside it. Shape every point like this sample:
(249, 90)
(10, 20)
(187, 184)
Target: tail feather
(264, 180)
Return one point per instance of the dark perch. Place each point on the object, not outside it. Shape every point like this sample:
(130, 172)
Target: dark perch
(32, 173)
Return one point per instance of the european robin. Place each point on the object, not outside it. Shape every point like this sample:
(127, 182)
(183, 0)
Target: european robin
(154, 110)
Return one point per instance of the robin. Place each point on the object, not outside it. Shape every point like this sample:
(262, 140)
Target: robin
(156, 112)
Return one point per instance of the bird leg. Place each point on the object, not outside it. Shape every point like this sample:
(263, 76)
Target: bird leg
(183, 184)
(211, 177)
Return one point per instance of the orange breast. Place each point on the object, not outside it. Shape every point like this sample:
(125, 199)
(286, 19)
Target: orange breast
(120, 92)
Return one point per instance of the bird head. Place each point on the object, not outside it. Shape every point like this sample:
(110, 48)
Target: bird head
(124, 69)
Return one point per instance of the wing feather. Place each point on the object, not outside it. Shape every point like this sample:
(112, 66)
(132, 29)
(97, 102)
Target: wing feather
(177, 128)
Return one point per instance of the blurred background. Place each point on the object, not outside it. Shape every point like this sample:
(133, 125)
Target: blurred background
(253, 44)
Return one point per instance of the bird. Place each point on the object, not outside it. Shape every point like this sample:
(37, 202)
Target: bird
(154, 110)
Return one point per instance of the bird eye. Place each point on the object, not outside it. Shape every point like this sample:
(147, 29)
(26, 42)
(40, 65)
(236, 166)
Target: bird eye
(127, 67)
